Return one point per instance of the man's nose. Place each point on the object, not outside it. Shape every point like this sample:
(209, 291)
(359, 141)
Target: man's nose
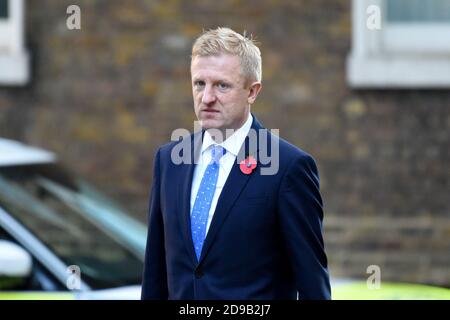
(208, 95)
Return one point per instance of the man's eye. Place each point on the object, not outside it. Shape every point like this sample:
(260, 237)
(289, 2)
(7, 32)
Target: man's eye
(199, 83)
(223, 86)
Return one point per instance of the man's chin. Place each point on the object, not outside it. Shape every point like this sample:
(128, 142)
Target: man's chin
(211, 124)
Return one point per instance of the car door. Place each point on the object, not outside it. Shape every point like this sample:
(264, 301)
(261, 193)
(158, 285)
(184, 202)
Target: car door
(40, 284)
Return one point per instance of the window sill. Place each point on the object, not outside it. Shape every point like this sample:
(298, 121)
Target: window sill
(398, 71)
(14, 69)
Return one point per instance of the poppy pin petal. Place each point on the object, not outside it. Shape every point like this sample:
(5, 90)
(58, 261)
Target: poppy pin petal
(248, 165)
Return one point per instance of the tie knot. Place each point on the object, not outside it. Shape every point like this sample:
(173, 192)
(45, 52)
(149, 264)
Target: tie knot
(217, 152)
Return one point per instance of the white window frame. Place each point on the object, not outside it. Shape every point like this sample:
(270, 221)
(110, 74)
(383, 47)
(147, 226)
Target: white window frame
(14, 59)
(398, 55)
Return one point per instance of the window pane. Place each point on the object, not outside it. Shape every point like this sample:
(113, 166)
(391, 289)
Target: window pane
(3, 9)
(418, 11)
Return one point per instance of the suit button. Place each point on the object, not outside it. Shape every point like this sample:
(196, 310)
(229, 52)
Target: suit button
(198, 274)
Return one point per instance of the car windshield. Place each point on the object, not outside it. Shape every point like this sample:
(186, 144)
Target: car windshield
(79, 224)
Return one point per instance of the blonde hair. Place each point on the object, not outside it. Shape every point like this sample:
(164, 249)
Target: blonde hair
(226, 41)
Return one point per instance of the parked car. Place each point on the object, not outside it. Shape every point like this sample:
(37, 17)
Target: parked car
(54, 224)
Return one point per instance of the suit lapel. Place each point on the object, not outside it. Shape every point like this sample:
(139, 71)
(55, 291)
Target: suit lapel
(184, 192)
(233, 187)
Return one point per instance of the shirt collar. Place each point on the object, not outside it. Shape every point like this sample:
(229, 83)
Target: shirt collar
(234, 142)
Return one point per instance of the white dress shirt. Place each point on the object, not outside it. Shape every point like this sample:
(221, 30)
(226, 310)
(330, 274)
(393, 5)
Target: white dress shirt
(232, 145)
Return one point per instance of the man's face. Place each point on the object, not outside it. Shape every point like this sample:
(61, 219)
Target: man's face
(221, 100)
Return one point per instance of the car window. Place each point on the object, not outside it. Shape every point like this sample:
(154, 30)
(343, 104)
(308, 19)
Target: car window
(44, 198)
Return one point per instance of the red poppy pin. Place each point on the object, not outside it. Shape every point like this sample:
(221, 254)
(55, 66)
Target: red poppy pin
(248, 165)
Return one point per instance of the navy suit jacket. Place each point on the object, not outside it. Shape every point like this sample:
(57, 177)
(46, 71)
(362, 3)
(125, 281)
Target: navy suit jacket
(265, 239)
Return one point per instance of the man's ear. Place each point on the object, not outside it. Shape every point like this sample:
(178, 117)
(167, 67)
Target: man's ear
(255, 88)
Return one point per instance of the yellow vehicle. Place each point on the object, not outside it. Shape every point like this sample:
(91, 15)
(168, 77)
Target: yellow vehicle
(360, 290)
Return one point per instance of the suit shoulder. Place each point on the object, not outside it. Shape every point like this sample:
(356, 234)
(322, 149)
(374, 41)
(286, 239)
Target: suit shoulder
(167, 148)
(298, 165)
(291, 152)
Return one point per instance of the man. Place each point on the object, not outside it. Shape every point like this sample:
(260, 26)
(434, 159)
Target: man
(219, 228)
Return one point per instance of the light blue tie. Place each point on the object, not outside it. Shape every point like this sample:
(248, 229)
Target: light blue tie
(202, 204)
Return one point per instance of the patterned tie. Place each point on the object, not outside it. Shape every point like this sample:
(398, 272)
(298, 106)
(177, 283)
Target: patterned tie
(202, 204)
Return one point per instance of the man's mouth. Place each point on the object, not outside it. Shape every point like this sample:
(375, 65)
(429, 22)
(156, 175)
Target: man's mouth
(210, 110)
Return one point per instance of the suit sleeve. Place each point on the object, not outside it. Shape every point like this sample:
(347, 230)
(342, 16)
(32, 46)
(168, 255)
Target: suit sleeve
(154, 282)
(301, 216)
